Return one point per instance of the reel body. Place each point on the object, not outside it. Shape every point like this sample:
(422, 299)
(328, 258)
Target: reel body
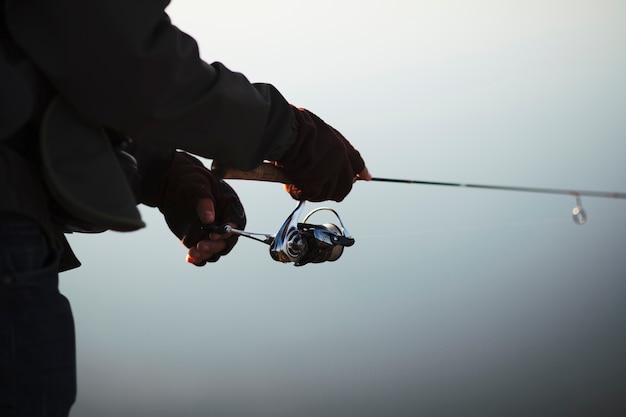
(302, 242)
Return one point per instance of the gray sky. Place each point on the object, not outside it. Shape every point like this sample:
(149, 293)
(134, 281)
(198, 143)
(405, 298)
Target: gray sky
(452, 301)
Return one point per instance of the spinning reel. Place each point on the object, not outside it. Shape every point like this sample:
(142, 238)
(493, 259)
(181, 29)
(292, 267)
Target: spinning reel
(302, 242)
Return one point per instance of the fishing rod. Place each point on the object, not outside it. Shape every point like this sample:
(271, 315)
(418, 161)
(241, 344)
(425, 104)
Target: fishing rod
(576, 193)
(271, 173)
(303, 243)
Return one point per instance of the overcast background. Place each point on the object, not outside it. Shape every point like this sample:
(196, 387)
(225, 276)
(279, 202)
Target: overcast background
(453, 302)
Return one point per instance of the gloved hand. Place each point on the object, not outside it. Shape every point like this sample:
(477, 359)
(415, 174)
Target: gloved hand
(322, 164)
(190, 197)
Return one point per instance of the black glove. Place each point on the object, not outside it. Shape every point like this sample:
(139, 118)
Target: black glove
(322, 164)
(182, 185)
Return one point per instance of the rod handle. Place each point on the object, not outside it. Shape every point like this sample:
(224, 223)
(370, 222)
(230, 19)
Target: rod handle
(264, 172)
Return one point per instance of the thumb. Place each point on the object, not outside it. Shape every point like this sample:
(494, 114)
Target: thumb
(206, 210)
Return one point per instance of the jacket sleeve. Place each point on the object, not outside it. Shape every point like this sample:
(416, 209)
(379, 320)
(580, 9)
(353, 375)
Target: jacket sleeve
(123, 65)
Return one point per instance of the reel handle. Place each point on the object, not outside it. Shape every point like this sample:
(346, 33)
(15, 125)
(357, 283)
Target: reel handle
(264, 172)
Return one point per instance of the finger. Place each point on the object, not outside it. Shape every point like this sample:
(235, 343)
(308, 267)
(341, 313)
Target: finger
(364, 175)
(206, 210)
(208, 248)
(205, 250)
(294, 191)
(190, 259)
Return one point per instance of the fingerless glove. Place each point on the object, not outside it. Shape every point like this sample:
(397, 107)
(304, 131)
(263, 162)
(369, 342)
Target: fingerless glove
(182, 185)
(322, 164)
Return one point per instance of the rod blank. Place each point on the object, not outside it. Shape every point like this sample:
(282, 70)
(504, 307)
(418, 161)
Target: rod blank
(587, 193)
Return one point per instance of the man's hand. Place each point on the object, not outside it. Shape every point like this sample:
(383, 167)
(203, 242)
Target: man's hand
(322, 164)
(191, 198)
(215, 243)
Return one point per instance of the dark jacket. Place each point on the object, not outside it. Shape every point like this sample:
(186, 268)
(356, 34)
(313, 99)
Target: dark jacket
(121, 66)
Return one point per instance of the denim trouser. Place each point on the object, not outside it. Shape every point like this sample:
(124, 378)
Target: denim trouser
(37, 348)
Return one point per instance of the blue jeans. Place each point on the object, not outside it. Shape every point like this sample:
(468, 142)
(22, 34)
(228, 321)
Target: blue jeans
(37, 345)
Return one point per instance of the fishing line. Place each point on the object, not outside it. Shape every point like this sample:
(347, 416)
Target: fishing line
(464, 228)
